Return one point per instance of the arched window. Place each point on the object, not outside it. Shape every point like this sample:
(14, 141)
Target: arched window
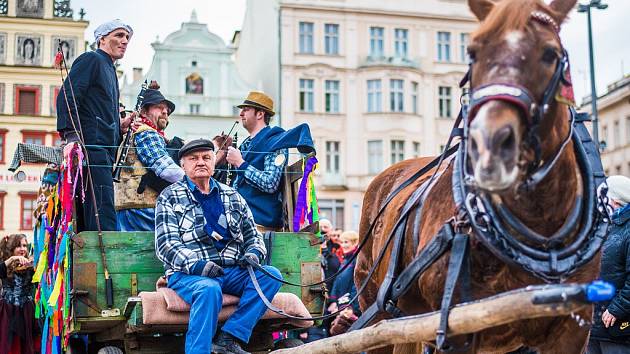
(194, 84)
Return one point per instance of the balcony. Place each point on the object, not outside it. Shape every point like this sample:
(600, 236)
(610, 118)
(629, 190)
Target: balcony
(390, 61)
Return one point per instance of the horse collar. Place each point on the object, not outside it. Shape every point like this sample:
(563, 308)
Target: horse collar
(551, 259)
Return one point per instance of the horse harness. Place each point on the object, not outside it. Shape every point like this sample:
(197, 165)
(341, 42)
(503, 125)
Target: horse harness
(551, 259)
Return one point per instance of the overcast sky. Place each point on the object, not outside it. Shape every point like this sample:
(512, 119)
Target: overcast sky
(151, 18)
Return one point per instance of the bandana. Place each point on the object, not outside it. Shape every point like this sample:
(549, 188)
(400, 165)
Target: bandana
(150, 124)
(108, 27)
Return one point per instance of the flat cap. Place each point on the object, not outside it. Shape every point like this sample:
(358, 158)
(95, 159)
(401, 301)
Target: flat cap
(195, 145)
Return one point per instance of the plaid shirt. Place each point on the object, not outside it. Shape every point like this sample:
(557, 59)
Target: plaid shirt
(268, 179)
(151, 151)
(180, 238)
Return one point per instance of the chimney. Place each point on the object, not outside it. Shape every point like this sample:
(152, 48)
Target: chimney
(137, 74)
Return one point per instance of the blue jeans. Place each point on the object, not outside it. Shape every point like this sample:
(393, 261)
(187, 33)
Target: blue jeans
(205, 296)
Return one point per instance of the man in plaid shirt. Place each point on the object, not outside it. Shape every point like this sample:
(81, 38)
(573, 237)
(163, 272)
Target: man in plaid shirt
(204, 230)
(262, 157)
(134, 200)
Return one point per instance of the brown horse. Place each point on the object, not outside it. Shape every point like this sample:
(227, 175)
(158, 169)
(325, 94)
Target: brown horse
(517, 43)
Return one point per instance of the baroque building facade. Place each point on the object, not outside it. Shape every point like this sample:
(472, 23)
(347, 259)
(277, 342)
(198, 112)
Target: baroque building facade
(376, 81)
(30, 33)
(195, 70)
(613, 108)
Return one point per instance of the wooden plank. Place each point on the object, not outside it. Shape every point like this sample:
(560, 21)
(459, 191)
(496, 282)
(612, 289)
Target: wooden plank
(466, 318)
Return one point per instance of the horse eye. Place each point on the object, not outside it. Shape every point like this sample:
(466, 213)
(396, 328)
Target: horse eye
(549, 56)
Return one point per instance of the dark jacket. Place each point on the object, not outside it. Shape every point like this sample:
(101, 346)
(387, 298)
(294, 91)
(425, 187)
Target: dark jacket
(267, 207)
(344, 283)
(330, 262)
(95, 88)
(615, 269)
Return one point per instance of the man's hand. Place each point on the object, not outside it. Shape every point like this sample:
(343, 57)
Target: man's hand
(608, 319)
(234, 157)
(212, 270)
(250, 257)
(129, 120)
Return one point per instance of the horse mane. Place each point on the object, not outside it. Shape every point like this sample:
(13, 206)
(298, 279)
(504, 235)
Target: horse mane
(511, 15)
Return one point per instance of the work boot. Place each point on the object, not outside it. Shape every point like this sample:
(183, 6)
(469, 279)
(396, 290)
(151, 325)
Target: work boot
(227, 344)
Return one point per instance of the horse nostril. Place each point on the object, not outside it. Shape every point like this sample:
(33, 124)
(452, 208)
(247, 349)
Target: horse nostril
(505, 139)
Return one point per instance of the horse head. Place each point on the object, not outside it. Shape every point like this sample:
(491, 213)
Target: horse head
(516, 65)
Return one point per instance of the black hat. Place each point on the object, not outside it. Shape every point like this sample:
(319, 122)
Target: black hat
(152, 97)
(194, 145)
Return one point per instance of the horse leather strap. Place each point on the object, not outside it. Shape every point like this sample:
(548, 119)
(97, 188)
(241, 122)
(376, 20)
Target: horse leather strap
(559, 260)
(458, 258)
(429, 254)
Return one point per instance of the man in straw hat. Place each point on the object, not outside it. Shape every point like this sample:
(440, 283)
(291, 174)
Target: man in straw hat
(262, 157)
(87, 105)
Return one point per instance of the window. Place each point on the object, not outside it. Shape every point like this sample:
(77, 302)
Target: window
(3, 135)
(463, 45)
(27, 100)
(54, 92)
(374, 96)
(56, 139)
(332, 157)
(33, 137)
(618, 169)
(376, 42)
(604, 136)
(332, 209)
(28, 203)
(400, 42)
(414, 97)
(306, 95)
(445, 101)
(332, 96)
(416, 149)
(627, 130)
(194, 108)
(2, 194)
(375, 156)
(331, 38)
(444, 46)
(306, 37)
(397, 150)
(396, 95)
(616, 135)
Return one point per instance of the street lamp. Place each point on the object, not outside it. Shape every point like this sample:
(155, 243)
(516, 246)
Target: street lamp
(587, 8)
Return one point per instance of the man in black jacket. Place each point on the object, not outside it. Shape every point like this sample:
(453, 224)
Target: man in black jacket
(87, 105)
(616, 270)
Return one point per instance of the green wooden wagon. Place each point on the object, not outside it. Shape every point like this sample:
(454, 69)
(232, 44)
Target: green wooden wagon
(134, 269)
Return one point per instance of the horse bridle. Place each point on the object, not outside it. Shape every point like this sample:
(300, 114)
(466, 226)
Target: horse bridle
(533, 111)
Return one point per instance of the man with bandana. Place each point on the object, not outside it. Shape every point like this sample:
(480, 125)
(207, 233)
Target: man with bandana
(134, 198)
(87, 111)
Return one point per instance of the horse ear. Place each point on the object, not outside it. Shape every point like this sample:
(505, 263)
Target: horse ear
(562, 7)
(481, 8)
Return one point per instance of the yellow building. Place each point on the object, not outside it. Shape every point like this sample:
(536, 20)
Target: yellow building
(30, 32)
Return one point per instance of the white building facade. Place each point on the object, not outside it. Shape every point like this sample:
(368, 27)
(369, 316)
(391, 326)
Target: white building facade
(376, 81)
(195, 70)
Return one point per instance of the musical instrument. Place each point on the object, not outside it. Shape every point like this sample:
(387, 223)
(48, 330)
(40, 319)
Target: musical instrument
(230, 168)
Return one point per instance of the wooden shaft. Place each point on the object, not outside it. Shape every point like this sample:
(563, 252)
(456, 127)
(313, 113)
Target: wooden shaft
(467, 318)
